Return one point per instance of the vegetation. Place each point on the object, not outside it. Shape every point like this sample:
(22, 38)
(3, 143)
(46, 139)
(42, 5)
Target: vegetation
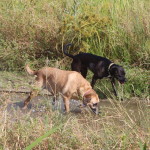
(34, 31)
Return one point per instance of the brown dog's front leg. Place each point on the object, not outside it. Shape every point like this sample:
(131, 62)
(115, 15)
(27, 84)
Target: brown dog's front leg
(66, 103)
(32, 94)
(54, 100)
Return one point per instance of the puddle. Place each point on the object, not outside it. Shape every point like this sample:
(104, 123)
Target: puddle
(40, 104)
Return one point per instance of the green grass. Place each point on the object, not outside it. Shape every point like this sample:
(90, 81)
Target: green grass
(41, 138)
(33, 30)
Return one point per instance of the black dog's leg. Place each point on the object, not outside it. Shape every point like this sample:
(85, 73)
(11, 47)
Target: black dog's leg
(94, 81)
(113, 86)
(84, 72)
(76, 65)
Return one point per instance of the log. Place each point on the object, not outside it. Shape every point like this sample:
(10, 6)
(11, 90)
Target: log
(23, 91)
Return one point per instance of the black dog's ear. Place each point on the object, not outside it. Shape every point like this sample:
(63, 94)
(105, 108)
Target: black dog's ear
(114, 69)
(117, 69)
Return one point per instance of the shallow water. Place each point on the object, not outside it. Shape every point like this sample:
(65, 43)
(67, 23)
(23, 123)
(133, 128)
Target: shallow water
(42, 103)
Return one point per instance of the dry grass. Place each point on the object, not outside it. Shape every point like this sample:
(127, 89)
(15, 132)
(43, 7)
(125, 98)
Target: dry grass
(120, 125)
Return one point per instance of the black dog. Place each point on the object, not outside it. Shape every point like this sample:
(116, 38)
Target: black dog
(100, 66)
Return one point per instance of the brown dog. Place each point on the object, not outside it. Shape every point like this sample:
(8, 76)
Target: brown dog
(70, 84)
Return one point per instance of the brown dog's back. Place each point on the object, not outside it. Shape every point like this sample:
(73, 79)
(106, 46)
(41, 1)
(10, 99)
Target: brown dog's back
(59, 80)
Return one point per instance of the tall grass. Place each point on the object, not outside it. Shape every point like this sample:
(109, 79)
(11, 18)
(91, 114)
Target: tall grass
(38, 140)
(119, 126)
(34, 30)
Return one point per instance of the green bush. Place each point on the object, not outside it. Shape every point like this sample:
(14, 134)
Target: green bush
(34, 30)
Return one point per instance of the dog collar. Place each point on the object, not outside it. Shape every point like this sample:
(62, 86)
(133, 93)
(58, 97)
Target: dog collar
(109, 69)
(110, 66)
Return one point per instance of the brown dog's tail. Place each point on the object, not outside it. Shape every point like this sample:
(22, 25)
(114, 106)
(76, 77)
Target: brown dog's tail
(64, 50)
(28, 69)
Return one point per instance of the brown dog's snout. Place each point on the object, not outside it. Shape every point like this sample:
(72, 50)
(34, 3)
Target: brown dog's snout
(95, 104)
(94, 108)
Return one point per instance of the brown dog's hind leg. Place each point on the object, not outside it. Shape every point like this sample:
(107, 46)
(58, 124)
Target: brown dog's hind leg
(33, 94)
(36, 89)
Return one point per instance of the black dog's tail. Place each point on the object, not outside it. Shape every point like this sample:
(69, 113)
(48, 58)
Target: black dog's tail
(64, 50)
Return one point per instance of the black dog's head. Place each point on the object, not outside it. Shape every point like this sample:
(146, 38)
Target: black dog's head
(118, 72)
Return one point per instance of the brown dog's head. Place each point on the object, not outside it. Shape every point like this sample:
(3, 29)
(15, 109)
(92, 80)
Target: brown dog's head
(91, 99)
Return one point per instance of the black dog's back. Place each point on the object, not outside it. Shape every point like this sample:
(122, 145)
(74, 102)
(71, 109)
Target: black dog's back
(87, 58)
(100, 66)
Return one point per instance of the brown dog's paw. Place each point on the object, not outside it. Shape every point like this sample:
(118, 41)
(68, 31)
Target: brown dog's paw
(81, 106)
(24, 107)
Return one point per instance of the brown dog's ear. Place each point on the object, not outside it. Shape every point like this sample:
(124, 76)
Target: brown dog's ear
(86, 100)
(87, 97)
(87, 93)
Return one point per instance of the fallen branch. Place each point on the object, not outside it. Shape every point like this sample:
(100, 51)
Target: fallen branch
(25, 92)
